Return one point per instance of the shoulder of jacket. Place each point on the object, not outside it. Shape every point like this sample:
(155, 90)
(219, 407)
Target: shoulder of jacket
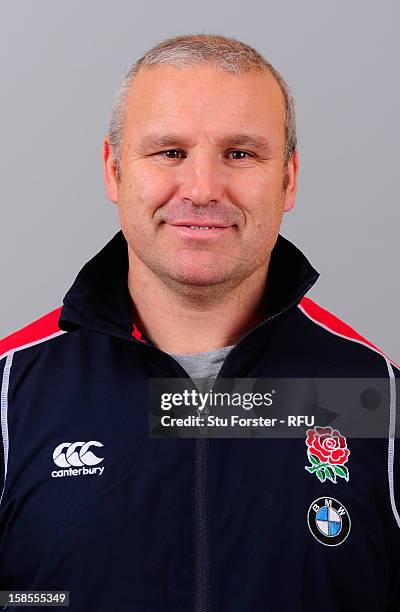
(40, 330)
(332, 324)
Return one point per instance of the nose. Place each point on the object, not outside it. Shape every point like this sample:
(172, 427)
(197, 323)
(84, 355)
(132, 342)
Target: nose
(202, 179)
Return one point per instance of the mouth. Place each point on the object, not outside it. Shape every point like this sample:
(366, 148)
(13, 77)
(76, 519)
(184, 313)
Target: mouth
(206, 225)
(196, 230)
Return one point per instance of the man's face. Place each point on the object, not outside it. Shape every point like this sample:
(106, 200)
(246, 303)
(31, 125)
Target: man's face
(201, 147)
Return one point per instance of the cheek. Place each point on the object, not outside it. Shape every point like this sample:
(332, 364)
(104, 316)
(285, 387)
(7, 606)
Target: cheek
(264, 207)
(259, 191)
(145, 190)
(263, 216)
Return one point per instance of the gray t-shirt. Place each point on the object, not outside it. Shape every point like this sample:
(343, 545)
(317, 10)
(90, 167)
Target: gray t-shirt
(203, 368)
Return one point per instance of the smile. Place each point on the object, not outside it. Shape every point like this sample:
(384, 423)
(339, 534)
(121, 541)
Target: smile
(197, 231)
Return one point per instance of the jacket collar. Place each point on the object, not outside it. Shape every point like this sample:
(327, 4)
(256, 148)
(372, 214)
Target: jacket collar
(99, 298)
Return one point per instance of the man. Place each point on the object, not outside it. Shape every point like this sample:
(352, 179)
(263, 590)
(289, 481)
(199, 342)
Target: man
(201, 161)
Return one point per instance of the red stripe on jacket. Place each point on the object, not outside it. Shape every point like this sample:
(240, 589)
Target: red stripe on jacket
(336, 325)
(34, 332)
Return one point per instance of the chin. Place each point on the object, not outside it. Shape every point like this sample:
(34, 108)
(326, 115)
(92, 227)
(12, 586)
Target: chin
(194, 275)
(199, 269)
(196, 279)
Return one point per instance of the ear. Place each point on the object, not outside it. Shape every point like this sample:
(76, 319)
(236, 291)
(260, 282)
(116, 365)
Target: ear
(110, 171)
(291, 182)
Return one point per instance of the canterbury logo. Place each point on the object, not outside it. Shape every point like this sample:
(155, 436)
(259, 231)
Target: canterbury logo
(76, 454)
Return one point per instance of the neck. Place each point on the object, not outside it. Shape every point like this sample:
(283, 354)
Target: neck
(193, 319)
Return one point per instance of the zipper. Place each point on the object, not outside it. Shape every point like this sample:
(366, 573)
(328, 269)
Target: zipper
(201, 522)
(201, 472)
(201, 504)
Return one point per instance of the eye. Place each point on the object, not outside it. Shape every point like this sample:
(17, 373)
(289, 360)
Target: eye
(239, 154)
(172, 153)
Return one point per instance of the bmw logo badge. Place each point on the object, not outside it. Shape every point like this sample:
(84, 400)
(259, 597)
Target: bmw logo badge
(329, 521)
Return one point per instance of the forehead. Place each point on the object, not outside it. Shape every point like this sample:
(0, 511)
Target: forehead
(199, 97)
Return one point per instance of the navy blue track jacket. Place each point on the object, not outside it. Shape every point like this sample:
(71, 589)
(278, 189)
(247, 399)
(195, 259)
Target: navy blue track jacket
(128, 523)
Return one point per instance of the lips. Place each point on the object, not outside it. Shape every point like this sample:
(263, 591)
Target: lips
(195, 231)
(204, 223)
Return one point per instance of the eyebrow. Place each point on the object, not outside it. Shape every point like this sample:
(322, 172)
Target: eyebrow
(254, 141)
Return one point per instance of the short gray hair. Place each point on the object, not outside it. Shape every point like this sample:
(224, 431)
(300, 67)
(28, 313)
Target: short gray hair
(227, 54)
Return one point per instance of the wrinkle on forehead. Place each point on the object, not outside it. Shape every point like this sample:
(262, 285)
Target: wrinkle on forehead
(187, 101)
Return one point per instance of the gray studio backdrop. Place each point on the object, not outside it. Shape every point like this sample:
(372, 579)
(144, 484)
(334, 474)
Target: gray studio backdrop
(60, 65)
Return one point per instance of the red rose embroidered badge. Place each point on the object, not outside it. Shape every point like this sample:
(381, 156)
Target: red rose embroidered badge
(327, 453)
